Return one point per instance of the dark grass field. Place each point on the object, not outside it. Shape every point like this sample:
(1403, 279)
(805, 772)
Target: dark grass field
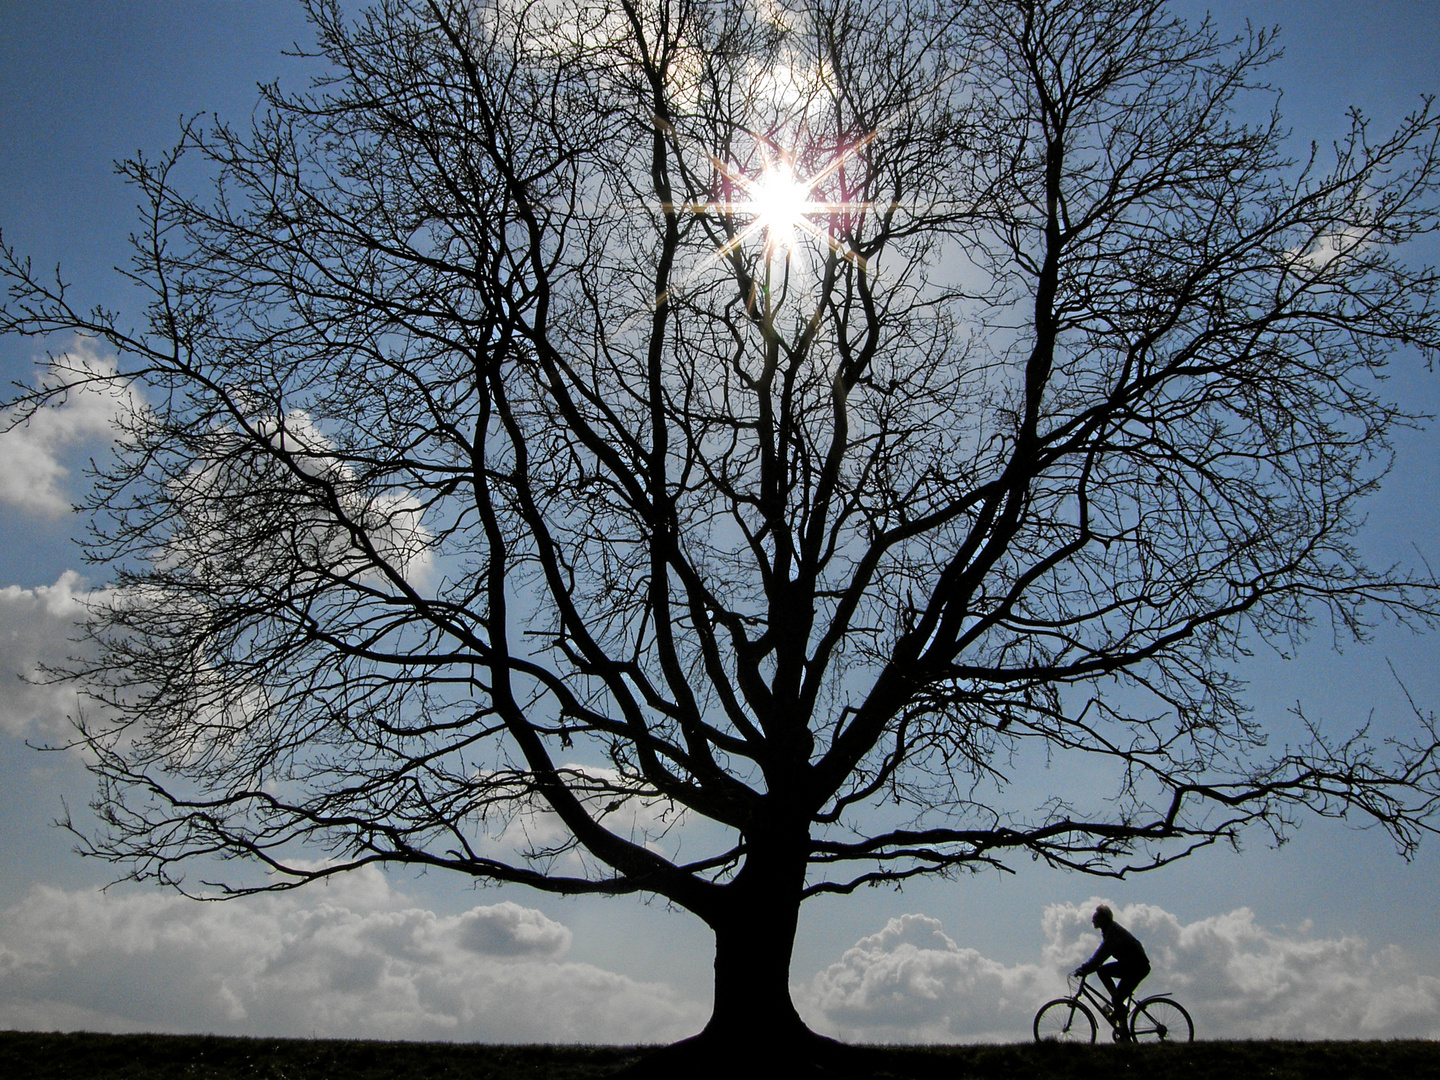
(173, 1057)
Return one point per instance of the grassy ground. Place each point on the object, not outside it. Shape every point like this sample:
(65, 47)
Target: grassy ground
(45, 1056)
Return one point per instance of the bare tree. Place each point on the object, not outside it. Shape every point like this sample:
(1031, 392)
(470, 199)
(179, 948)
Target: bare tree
(572, 429)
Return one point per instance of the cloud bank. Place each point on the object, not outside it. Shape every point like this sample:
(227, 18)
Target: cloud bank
(1239, 980)
(356, 959)
(352, 959)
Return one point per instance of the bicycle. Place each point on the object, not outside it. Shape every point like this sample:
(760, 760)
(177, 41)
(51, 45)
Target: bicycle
(1158, 1018)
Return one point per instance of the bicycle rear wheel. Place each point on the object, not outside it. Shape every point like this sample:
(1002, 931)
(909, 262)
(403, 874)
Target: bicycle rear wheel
(1064, 1020)
(1159, 1019)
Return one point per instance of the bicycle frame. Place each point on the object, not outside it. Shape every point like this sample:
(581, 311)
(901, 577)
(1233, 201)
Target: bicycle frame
(1096, 999)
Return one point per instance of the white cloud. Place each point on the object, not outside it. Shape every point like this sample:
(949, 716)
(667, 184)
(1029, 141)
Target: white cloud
(349, 959)
(33, 470)
(1325, 249)
(911, 983)
(43, 628)
(32, 473)
(38, 627)
(215, 493)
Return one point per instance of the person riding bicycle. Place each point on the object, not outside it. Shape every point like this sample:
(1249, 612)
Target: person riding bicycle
(1128, 966)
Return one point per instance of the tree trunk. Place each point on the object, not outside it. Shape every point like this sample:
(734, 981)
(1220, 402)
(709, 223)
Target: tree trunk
(755, 1027)
(755, 1024)
(754, 940)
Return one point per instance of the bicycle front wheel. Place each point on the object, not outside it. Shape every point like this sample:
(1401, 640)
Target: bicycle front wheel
(1159, 1019)
(1064, 1020)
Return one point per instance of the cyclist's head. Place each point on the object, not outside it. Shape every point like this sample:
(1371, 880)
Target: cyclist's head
(1103, 916)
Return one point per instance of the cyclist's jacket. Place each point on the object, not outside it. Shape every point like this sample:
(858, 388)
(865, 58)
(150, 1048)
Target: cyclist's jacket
(1118, 942)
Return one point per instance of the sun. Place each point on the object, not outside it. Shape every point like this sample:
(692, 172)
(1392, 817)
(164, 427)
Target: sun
(781, 205)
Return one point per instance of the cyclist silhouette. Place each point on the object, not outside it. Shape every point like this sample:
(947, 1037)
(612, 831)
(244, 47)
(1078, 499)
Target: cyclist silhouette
(1128, 962)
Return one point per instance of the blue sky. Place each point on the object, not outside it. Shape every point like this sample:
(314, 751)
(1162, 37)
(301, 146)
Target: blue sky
(1330, 935)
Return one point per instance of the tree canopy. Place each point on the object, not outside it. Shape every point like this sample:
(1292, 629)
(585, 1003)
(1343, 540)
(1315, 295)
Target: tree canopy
(725, 449)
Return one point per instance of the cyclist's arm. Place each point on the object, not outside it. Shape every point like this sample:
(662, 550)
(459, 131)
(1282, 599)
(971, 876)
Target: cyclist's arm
(1093, 964)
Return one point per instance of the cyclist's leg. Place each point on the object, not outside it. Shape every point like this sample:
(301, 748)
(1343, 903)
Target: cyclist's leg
(1129, 979)
(1108, 973)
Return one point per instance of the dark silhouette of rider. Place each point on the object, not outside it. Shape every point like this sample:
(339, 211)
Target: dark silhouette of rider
(1128, 962)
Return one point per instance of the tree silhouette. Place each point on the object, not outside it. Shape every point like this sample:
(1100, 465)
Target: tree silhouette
(711, 449)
